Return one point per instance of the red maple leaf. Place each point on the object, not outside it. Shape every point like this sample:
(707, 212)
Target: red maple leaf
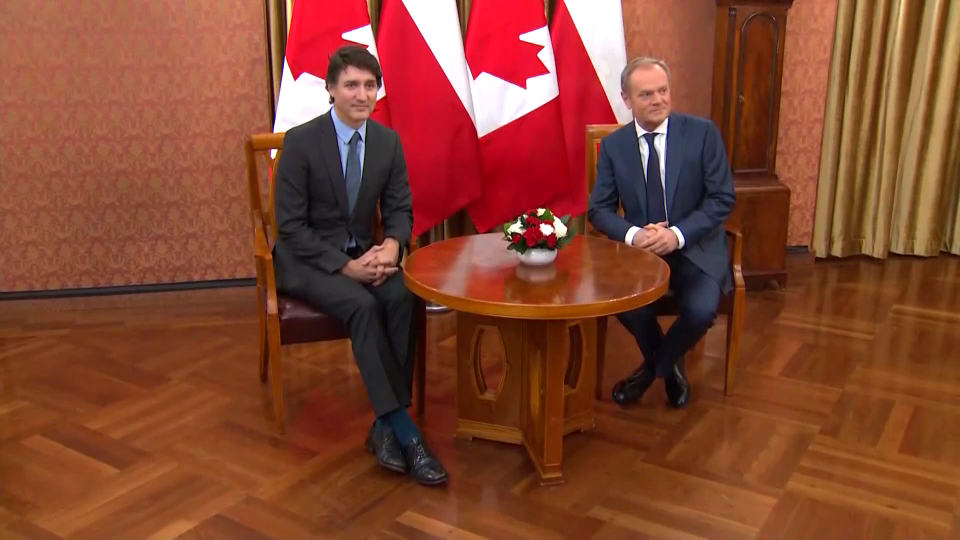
(316, 31)
(493, 40)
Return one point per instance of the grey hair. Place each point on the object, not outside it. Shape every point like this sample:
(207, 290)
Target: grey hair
(639, 62)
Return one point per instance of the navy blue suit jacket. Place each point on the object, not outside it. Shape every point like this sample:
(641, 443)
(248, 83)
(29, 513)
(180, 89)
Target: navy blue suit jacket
(698, 189)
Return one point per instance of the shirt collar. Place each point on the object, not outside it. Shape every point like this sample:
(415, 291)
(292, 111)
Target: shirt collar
(662, 128)
(345, 132)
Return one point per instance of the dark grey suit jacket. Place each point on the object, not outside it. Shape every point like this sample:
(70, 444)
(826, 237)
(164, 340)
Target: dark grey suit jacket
(698, 189)
(313, 221)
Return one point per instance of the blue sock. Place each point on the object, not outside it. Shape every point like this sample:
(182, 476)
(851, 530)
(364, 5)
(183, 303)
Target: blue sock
(402, 424)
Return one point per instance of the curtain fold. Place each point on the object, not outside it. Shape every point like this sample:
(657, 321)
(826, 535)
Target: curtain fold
(889, 160)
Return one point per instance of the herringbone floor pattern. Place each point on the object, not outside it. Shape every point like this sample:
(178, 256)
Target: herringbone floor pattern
(135, 417)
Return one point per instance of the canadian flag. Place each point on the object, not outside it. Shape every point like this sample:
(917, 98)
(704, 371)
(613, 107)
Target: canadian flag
(590, 51)
(317, 29)
(515, 93)
(421, 52)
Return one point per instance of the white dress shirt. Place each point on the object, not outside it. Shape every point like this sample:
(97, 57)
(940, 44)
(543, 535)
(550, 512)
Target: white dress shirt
(660, 145)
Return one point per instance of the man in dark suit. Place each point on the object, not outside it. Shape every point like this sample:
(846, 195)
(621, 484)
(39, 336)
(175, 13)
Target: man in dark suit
(670, 173)
(333, 171)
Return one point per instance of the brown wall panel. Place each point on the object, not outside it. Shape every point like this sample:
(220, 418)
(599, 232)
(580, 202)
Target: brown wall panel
(121, 156)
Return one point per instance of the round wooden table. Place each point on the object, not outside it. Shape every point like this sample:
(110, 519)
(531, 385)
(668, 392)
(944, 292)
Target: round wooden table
(546, 318)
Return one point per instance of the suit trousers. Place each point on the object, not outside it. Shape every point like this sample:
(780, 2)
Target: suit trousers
(380, 321)
(699, 297)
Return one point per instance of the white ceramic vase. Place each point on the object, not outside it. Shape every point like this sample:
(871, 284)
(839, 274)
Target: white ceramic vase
(537, 256)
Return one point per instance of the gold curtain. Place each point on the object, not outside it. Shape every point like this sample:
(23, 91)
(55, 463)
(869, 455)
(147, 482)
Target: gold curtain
(890, 158)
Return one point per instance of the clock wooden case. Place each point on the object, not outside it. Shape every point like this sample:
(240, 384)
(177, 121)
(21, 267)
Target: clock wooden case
(748, 67)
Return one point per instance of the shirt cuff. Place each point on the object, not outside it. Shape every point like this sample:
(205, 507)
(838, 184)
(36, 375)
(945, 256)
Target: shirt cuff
(679, 237)
(631, 232)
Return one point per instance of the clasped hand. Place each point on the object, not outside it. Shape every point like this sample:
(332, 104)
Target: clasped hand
(656, 238)
(376, 265)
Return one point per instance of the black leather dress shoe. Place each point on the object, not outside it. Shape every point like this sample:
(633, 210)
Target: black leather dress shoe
(631, 389)
(383, 443)
(677, 387)
(422, 465)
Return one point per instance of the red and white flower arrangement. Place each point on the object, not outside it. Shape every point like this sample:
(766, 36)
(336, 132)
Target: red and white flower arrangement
(537, 229)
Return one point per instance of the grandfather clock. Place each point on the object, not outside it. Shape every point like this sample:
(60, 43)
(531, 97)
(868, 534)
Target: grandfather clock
(747, 69)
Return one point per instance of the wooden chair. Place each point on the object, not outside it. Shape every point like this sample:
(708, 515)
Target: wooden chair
(731, 305)
(285, 320)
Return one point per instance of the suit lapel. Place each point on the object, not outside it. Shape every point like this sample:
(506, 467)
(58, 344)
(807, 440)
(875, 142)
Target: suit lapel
(635, 163)
(331, 155)
(675, 143)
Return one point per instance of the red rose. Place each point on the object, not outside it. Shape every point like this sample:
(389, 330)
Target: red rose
(532, 236)
(552, 240)
(534, 222)
(515, 238)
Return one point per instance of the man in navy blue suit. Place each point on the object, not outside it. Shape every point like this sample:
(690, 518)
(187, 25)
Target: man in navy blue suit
(670, 173)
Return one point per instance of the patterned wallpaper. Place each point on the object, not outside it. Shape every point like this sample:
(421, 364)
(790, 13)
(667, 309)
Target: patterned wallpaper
(121, 125)
(121, 157)
(803, 100)
(684, 36)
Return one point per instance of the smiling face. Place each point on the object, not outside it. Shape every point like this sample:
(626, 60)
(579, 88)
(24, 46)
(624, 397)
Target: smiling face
(354, 94)
(648, 95)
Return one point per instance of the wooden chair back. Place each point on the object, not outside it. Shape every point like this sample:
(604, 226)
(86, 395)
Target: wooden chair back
(263, 148)
(595, 133)
(263, 152)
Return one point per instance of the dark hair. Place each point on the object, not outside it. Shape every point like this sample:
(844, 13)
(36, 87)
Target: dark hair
(352, 55)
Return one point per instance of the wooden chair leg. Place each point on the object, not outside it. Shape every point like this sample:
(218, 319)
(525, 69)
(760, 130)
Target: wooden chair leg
(264, 353)
(420, 360)
(734, 323)
(601, 354)
(276, 371)
(264, 348)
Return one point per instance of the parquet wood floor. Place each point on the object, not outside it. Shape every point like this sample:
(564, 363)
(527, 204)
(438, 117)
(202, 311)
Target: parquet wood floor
(135, 417)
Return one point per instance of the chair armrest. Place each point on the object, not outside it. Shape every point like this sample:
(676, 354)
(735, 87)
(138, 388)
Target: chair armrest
(266, 279)
(736, 256)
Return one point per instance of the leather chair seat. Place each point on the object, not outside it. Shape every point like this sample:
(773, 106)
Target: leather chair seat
(300, 323)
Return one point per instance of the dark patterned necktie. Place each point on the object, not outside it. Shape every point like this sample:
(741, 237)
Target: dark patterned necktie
(656, 207)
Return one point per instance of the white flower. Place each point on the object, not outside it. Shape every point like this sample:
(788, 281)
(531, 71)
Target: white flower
(515, 228)
(559, 227)
(541, 211)
(546, 229)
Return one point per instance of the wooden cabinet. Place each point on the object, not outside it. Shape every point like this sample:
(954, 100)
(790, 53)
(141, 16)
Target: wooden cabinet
(748, 66)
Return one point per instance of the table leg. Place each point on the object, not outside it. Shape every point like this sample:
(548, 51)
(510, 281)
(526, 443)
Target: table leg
(546, 391)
